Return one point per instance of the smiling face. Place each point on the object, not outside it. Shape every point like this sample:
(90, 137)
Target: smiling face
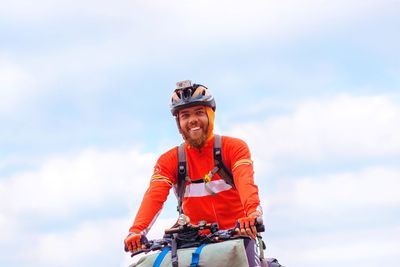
(193, 122)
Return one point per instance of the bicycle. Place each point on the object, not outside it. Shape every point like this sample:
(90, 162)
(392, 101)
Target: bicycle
(195, 238)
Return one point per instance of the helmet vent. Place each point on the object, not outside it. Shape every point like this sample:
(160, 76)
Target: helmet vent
(186, 94)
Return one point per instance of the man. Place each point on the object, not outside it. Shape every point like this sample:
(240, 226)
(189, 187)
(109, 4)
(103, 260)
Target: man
(207, 196)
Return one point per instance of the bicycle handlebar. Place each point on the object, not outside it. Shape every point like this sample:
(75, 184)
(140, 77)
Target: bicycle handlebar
(216, 234)
(191, 227)
(211, 226)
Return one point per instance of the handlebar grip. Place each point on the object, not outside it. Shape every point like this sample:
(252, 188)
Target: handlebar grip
(260, 224)
(260, 228)
(144, 240)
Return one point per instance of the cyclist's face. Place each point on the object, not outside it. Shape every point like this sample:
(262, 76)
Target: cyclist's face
(194, 125)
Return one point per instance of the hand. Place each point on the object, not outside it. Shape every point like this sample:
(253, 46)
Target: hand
(132, 242)
(247, 225)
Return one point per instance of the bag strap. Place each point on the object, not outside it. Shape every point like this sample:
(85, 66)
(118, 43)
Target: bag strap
(174, 250)
(196, 256)
(161, 256)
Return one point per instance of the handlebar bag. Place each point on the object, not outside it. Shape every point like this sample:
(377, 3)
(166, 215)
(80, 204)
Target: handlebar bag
(231, 253)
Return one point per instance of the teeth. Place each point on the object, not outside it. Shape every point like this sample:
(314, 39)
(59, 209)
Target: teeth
(195, 128)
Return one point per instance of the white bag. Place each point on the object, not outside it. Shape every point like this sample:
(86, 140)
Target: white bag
(229, 253)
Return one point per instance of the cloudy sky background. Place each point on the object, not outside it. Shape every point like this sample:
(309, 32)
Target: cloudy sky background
(311, 85)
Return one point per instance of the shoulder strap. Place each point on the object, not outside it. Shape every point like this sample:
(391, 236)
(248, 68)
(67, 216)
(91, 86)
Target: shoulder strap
(182, 173)
(223, 171)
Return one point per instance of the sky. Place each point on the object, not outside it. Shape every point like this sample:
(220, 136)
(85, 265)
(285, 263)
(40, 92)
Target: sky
(311, 85)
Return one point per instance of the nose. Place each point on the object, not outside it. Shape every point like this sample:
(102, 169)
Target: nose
(193, 119)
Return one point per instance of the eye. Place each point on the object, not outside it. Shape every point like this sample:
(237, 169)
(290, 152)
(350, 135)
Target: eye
(184, 116)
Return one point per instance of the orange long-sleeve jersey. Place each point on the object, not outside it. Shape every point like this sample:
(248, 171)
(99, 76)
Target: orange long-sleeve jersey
(219, 202)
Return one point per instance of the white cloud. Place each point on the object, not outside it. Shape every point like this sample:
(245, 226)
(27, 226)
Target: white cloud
(61, 185)
(59, 191)
(341, 128)
(82, 246)
(17, 85)
(341, 192)
(9, 226)
(355, 247)
(127, 31)
(90, 243)
(180, 22)
(335, 219)
(205, 17)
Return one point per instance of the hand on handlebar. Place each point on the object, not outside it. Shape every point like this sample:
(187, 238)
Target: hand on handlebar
(247, 225)
(133, 242)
